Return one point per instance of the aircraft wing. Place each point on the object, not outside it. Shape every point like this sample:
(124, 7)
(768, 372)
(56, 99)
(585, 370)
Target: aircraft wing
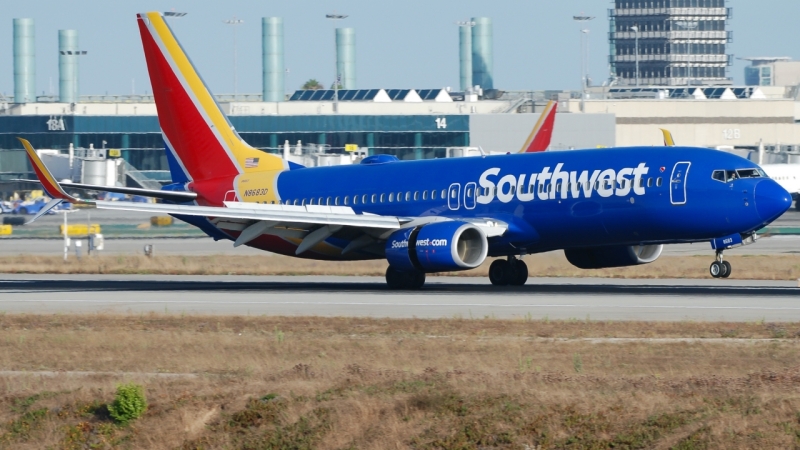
(174, 196)
(309, 224)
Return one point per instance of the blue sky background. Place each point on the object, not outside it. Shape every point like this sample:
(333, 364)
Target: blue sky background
(400, 44)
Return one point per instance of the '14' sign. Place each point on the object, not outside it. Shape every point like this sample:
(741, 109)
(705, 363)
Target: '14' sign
(441, 122)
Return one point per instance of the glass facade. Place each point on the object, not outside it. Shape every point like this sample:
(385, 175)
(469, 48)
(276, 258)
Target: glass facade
(139, 137)
(680, 42)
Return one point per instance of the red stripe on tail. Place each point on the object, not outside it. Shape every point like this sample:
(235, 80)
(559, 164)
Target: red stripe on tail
(186, 129)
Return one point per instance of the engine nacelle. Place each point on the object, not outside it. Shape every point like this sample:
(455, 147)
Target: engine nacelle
(438, 247)
(618, 256)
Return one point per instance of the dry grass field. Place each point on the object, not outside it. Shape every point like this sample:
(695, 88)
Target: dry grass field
(342, 383)
(554, 264)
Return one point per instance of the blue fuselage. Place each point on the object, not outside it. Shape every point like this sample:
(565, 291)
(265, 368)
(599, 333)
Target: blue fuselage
(557, 200)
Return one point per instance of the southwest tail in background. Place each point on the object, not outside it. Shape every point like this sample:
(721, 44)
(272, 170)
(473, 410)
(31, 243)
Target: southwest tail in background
(196, 131)
(539, 139)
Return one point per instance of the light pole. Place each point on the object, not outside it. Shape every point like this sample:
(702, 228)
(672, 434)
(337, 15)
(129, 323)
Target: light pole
(334, 17)
(636, 35)
(582, 19)
(234, 21)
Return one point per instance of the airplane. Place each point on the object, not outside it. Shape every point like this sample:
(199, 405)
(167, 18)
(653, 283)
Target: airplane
(787, 175)
(611, 207)
(539, 139)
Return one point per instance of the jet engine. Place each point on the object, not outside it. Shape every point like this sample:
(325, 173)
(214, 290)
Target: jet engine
(617, 256)
(437, 247)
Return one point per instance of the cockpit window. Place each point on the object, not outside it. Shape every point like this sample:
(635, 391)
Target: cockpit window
(725, 176)
(749, 173)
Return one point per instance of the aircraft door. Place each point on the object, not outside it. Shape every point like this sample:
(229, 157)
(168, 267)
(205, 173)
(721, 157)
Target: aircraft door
(454, 196)
(469, 195)
(677, 183)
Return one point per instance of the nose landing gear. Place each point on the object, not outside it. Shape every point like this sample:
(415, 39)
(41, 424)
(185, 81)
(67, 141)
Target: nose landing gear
(513, 272)
(720, 268)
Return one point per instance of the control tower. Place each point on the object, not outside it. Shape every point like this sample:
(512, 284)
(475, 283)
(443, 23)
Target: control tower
(669, 42)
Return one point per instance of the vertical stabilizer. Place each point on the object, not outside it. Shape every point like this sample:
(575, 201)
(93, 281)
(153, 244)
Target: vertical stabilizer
(195, 129)
(542, 132)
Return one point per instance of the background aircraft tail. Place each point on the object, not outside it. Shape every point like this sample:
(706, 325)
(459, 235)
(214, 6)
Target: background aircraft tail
(197, 133)
(539, 139)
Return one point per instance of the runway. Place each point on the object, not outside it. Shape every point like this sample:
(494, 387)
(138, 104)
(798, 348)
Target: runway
(442, 297)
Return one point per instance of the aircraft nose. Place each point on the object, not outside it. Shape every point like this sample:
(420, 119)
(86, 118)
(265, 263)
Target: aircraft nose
(771, 200)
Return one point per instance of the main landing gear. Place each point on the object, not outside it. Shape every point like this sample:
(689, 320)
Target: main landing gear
(411, 280)
(720, 268)
(512, 272)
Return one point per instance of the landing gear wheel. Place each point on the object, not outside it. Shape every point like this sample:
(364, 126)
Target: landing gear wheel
(394, 278)
(498, 272)
(716, 269)
(520, 273)
(415, 280)
(728, 269)
(397, 279)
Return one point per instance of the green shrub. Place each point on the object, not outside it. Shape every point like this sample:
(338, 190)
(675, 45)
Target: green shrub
(129, 403)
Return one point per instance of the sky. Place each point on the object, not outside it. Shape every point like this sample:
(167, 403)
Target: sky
(399, 44)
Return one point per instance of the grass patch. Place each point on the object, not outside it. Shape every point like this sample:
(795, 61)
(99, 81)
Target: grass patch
(337, 383)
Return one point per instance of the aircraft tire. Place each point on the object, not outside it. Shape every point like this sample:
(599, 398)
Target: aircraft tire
(397, 280)
(728, 269)
(716, 269)
(499, 272)
(394, 278)
(520, 275)
(416, 280)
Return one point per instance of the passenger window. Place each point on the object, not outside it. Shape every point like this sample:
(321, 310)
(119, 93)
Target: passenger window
(416, 195)
(391, 197)
(408, 196)
(541, 188)
(658, 182)
(328, 203)
(355, 200)
(444, 195)
(382, 197)
(424, 195)
(649, 182)
(336, 201)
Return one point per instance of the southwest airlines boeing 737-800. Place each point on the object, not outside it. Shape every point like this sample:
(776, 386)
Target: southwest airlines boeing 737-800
(602, 207)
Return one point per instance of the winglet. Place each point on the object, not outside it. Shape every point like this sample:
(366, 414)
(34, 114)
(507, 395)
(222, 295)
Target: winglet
(668, 141)
(539, 139)
(47, 179)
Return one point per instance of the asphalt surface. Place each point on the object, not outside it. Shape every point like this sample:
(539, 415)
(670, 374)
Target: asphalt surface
(442, 297)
